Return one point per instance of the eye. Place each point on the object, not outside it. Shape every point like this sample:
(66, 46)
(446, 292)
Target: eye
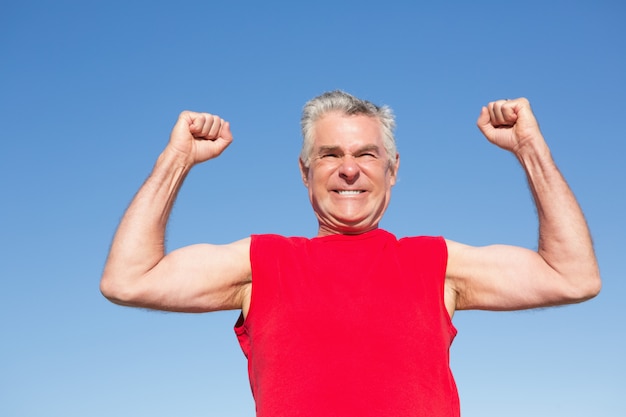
(330, 155)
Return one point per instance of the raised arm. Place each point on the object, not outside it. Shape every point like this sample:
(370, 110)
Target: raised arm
(196, 278)
(564, 268)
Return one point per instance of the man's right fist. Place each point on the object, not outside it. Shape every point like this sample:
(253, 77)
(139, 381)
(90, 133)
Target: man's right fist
(200, 136)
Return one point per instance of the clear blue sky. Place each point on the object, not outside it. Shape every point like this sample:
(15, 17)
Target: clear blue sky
(90, 90)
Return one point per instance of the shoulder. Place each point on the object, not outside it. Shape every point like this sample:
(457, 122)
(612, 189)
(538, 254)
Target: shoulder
(436, 244)
(264, 248)
(269, 239)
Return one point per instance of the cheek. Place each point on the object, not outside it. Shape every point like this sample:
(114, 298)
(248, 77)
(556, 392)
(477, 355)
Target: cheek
(382, 176)
(320, 175)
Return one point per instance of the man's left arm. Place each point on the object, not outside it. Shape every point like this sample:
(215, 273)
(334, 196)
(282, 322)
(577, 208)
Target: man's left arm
(564, 268)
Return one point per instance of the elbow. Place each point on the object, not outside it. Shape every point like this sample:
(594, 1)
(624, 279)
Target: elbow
(109, 289)
(587, 288)
(115, 290)
(594, 286)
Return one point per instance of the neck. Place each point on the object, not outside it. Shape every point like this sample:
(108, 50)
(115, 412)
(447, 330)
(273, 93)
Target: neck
(324, 230)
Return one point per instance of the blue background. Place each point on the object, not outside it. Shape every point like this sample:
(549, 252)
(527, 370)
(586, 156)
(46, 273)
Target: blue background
(90, 90)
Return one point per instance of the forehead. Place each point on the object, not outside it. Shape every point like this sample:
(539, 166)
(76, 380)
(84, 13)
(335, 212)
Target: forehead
(338, 129)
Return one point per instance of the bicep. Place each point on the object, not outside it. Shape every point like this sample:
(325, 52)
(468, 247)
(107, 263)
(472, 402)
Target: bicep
(501, 277)
(197, 278)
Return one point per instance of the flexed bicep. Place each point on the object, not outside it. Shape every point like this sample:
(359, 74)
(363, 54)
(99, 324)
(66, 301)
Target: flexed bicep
(504, 277)
(196, 278)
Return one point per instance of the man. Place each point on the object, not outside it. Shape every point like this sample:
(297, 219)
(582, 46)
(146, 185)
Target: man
(353, 321)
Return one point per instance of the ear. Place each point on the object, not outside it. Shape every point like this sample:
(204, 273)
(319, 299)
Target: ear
(395, 168)
(304, 171)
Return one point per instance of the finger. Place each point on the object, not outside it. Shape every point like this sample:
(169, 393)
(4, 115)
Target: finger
(197, 124)
(495, 111)
(484, 120)
(509, 113)
(185, 124)
(208, 125)
(492, 112)
(213, 130)
(225, 132)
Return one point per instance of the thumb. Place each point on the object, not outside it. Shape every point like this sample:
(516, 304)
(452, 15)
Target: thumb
(484, 121)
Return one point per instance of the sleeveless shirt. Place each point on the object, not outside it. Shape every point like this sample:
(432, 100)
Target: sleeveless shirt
(349, 325)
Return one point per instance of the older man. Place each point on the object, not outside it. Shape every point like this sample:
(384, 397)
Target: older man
(353, 321)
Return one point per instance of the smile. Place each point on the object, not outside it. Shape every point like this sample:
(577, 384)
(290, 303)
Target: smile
(349, 192)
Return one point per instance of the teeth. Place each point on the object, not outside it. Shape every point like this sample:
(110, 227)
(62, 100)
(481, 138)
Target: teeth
(349, 192)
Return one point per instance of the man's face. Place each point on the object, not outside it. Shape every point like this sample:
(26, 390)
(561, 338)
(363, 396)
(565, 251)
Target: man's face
(349, 176)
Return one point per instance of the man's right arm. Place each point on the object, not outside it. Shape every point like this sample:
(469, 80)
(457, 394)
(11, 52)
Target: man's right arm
(195, 278)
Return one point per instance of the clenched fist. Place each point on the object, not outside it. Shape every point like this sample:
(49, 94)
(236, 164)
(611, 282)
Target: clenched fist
(511, 125)
(200, 136)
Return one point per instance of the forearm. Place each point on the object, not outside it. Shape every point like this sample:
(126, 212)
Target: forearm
(139, 243)
(564, 239)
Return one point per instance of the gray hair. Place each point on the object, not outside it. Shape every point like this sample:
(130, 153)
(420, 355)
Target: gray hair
(340, 101)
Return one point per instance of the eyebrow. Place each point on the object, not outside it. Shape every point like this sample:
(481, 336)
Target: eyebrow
(369, 148)
(329, 149)
(337, 149)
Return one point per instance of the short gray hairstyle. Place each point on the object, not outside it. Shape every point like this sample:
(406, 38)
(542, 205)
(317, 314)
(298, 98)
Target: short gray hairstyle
(340, 101)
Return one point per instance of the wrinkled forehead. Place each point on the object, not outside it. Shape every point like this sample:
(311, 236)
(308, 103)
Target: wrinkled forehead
(340, 129)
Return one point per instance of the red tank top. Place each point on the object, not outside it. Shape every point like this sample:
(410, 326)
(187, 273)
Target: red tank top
(349, 325)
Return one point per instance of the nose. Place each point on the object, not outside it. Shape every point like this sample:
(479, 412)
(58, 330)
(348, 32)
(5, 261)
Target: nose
(349, 169)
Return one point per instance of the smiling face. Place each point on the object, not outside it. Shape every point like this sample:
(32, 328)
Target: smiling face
(348, 175)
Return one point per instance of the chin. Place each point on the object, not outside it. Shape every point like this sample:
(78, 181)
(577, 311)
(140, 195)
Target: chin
(351, 227)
